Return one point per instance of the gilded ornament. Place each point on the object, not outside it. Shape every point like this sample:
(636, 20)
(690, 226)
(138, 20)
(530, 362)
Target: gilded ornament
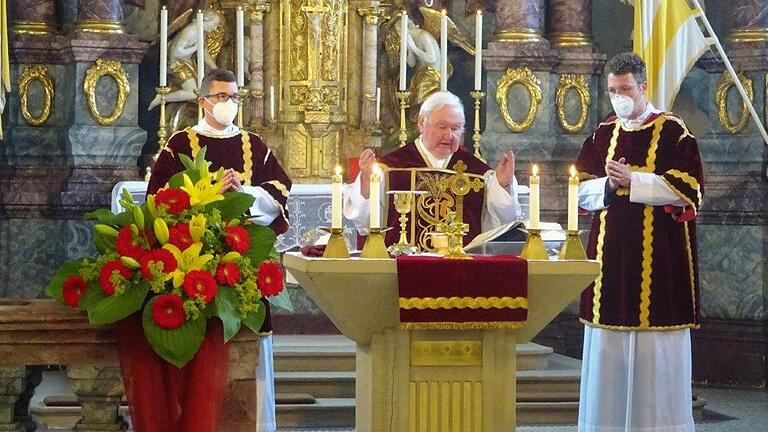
(298, 52)
(40, 73)
(331, 37)
(371, 14)
(721, 98)
(102, 68)
(570, 82)
(214, 39)
(527, 79)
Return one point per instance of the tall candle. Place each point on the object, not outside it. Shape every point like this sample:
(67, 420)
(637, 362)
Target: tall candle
(336, 198)
(534, 201)
(403, 48)
(573, 201)
(163, 47)
(272, 103)
(200, 51)
(375, 211)
(478, 48)
(444, 51)
(378, 104)
(240, 47)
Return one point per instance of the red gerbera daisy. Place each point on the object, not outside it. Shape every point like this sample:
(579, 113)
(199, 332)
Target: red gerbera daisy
(113, 274)
(168, 311)
(200, 283)
(178, 235)
(127, 245)
(163, 257)
(227, 274)
(74, 287)
(270, 279)
(237, 238)
(173, 199)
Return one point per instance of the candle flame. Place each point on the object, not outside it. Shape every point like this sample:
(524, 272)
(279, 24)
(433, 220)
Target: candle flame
(445, 12)
(573, 170)
(480, 12)
(535, 170)
(376, 169)
(338, 170)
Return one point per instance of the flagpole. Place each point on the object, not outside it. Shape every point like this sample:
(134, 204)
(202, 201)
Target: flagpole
(713, 40)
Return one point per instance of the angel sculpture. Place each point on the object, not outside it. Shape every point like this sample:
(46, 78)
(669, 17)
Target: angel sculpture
(423, 53)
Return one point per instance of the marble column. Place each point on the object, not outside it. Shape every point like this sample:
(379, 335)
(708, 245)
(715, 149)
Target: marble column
(749, 22)
(518, 21)
(100, 16)
(33, 17)
(256, 13)
(369, 70)
(569, 23)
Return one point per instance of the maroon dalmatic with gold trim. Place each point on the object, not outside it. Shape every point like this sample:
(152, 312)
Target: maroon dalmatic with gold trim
(649, 271)
(245, 153)
(408, 170)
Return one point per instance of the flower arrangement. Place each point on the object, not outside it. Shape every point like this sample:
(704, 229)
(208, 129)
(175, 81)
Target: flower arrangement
(187, 254)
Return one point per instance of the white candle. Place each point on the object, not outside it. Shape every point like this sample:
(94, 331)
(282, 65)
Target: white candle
(534, 201)
(336, 198)
(403, 48)
(163, 47)
(272, 103)
(378, 104)
(573, 201)
(240, 47)
(200, 51)
(375, 221)
(478, 49)
(444, 51)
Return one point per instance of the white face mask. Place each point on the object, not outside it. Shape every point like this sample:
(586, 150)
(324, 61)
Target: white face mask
(623, 105)
(225, 112)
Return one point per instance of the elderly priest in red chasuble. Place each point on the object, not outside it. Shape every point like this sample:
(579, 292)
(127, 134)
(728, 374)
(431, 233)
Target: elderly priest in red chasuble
(251, 167)
(645, 187)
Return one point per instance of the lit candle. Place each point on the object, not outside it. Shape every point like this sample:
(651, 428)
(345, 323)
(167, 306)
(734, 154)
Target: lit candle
(163, 47)
(375, 211)
(478, 48)
(444, 51)
(336, 198)
(200, 51)
(240, 47)
(272, 103)
(403, 48)
(534, 201)
(573, 200)
(378, 104)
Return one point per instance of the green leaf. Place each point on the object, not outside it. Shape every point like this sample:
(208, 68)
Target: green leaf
(200, 158)
(109, 309)
(177, 346)
(54, 288)
(187, 162)
(255, 320)
(282, 301)
(104, 243)
(177, 181)
(225, 304)
(262, 243)
(104, 216)
(234, 205)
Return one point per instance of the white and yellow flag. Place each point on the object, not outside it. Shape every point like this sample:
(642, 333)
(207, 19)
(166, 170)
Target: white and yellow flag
(669, 40)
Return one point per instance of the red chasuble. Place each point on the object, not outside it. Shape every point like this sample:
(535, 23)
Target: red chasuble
(407, 169)
(649, 272)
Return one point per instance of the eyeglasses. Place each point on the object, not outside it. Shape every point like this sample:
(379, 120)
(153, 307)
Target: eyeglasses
(223, 97)
(623, 90)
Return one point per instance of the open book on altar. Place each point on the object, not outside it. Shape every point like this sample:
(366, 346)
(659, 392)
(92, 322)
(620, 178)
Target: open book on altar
(553, 229)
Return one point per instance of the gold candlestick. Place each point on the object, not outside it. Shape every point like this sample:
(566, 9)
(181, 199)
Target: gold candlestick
(336, 247)
(243, 92)
(534, 246)
(162, 130)
(573, 248)
(374, 244)
(402, 96)
(403, 203)
(477, 95)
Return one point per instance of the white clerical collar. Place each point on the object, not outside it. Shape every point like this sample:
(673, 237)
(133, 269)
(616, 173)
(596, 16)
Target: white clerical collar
(431, 159)
(640, 120)
(203, 127)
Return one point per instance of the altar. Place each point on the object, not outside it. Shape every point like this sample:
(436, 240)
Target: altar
(430, 380)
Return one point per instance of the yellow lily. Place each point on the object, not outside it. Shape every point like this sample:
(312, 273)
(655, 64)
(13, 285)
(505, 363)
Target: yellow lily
(203, 192)
(197, 227)
(188, 260)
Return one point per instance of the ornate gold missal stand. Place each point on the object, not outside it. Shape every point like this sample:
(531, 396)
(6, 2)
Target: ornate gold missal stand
(534, 246)
(477, 95)
(402, 96)
(572, 248)
(374, 244)
(336, 247)
(243, 92)
(403, 203)
(162, 130)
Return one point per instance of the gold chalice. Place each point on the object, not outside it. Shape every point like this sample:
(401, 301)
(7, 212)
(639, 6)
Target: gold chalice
(404, 201)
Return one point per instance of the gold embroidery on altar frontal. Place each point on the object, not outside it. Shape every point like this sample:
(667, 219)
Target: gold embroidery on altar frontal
(463, 303)
(446, 353)
(645, 283)
(639, 328)
(470, 325)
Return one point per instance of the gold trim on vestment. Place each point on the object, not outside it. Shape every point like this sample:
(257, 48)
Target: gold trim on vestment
(688, 179)
(279, 186)
(463, 303)
(649, 328)
(247, 158)
(645, 283)
(472, 325)
(690, 267)
(683, 196)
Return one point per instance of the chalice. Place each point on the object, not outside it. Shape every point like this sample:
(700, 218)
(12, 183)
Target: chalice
(404, 201)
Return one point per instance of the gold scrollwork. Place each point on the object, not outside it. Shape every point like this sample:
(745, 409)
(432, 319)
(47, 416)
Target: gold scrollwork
(527, 79)
(102, 68)
(573, 82)
(721, 98)
(40, 73)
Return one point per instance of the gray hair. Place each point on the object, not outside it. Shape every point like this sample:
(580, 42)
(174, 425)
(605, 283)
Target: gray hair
(439, 100)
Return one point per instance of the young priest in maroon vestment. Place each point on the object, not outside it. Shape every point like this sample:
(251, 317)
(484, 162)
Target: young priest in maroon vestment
(645, 187)
(251, 167)
(441, 123)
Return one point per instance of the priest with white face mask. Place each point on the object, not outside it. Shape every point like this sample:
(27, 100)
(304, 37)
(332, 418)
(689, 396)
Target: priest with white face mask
(251, 167)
